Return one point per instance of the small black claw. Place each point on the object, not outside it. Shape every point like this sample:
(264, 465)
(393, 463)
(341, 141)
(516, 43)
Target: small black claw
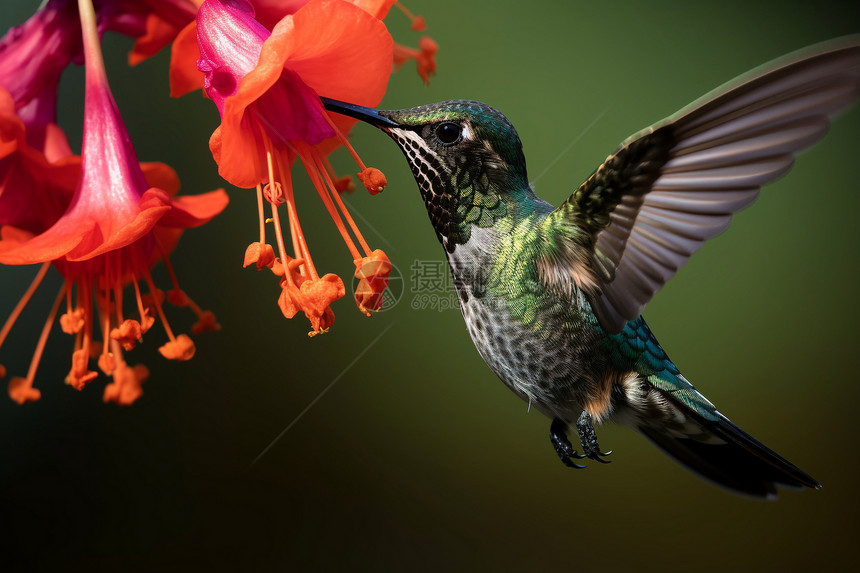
(588, 438)
(572, 464)
(563, 448)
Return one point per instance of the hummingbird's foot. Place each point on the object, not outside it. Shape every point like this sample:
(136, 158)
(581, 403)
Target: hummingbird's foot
(588, 438)
(563, 447)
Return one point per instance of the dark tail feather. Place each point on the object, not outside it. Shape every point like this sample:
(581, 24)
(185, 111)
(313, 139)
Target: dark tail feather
(741, 464)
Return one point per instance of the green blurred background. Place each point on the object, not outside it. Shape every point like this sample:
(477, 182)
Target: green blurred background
(417, 457)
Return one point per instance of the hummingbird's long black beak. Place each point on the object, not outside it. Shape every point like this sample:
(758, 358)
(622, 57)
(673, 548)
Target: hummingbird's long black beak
(364, 114)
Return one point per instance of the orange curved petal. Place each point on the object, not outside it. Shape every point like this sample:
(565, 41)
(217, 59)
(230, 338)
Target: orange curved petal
(161, 176)
(184, 75)
(239, 157)
(78, 236)
(195, 210)
(154, 204)
(11, 126)
(158, 34)
(339, 50)
(47, 247)
(376, 8)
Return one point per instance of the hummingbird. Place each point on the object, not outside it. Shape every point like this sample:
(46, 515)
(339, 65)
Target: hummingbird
(552, 296)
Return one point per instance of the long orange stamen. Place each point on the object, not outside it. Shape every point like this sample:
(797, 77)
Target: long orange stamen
(300, 246)
(279, 236)
(342, 184)
(171, 273)
(276, 190)
(350, 221)
(69, 300)
(117, 297)
(306, 155)
(154, 292)
(16, 312)
(417, 21)
(282, 250)
(106, 362)
(373, 179)
(80, 375)
(178, 297)
(88, 314)
(140, 308)
(79, 305)
(21, 390)
(261, 214)
(345, 142)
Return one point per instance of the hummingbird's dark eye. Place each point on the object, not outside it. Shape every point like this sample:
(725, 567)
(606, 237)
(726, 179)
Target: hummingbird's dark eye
(449, 133)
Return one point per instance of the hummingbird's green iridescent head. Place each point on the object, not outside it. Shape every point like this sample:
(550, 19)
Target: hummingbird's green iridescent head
(465, 156)
(455, 129)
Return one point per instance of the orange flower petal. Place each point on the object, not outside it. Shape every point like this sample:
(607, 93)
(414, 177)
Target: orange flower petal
(158, 34)
(78, 236)
(154, 204)
(161, 176)
(376, 8)
(340, 52)
(191, 211)
(184, 75)
(335, 48)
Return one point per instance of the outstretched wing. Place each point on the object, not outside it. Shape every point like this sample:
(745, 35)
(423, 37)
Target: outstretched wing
(666, 190)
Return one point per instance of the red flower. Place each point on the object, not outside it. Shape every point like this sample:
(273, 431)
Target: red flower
(265, 86)
(118, 221)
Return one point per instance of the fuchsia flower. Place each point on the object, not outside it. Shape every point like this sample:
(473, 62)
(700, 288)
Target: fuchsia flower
(118, 220)
(103, 219)
(266, 85)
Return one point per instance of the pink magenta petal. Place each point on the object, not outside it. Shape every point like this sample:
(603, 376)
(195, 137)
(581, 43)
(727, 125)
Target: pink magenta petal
(230, 41)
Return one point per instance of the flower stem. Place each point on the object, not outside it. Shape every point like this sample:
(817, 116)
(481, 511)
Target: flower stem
(95, 65)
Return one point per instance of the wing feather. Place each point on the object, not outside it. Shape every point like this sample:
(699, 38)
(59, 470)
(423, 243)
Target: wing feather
(671, 187)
